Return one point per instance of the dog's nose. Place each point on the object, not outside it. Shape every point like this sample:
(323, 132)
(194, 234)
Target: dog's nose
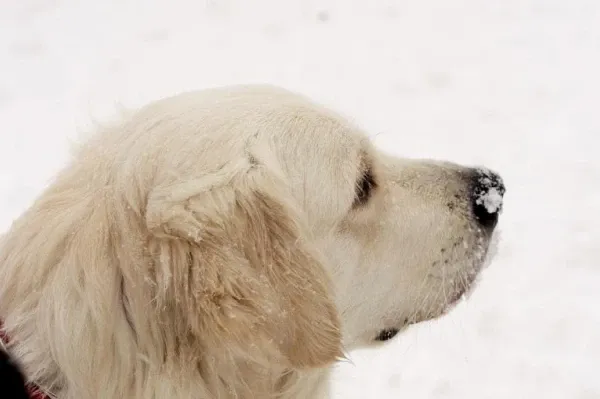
(487, 191)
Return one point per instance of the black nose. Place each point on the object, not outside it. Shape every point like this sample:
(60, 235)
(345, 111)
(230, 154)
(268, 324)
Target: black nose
(487, 191)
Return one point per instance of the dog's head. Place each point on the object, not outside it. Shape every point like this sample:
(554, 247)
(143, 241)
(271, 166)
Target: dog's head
(246, 227)
(295, 196)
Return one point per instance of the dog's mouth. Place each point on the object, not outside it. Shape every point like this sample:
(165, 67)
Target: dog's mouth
(452, 292)
(459, 295)
(447, 303)
(446, 307)
(465, 283)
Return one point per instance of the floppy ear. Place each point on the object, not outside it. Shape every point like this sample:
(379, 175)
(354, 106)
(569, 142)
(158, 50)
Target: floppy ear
(235, 263)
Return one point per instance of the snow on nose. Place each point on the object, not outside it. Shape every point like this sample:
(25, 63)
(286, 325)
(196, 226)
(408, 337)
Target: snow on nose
(487, 191)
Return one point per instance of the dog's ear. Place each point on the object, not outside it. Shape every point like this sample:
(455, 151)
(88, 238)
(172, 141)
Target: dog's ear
(233, 260)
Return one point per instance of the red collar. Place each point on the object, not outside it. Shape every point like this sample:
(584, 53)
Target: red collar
(34, 392)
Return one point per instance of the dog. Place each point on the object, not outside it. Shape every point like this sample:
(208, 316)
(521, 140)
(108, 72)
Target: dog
(233, 242)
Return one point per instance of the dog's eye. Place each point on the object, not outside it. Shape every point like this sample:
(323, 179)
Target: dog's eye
(364, 188)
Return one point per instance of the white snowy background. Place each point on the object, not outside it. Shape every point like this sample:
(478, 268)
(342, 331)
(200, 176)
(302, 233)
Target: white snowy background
(511, 84)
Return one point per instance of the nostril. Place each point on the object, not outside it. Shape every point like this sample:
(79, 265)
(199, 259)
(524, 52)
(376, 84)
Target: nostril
(487, 192)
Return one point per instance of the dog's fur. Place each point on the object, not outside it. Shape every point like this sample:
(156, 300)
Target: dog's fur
(229, 243)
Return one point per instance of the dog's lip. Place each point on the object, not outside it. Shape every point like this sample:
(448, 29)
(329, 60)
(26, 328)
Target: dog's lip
(451, 302)
(462, 294)
(443, 310)
(457, 298)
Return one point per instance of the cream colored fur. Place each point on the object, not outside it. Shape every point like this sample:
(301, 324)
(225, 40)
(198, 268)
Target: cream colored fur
(206, 246)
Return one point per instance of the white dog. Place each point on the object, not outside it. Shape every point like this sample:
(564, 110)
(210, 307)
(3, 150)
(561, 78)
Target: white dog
(233, 243)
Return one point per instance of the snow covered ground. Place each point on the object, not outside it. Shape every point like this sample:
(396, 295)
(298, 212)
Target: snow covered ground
(511, 84)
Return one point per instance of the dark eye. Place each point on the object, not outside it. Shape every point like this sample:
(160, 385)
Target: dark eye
(364, 187)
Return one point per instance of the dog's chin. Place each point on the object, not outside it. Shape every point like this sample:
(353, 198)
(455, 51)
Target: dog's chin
(471, 280)
(458, 295)
(444, 308)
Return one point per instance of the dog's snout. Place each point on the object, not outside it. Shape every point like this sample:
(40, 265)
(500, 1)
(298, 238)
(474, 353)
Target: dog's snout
(487, 191)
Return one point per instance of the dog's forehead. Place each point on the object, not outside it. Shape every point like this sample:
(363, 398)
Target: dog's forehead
(311, 134)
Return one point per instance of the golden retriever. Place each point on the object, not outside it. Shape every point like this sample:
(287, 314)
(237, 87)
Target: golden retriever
(233, 242)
